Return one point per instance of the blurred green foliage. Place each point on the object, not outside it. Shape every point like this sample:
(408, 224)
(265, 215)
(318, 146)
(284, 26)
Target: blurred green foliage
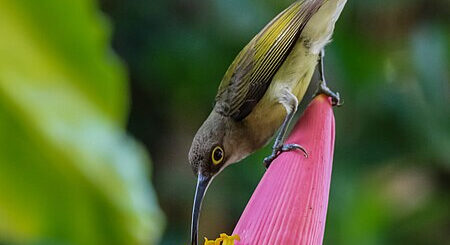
(69, 174)
(389, 60)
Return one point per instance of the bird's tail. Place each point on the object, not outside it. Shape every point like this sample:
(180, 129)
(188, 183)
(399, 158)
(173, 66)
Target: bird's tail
(320, 27)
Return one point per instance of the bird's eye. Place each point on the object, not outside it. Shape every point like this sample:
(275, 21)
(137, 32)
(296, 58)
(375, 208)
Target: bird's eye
(217, 155)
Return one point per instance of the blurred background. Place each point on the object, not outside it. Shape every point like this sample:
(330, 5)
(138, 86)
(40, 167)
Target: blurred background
(90, 90)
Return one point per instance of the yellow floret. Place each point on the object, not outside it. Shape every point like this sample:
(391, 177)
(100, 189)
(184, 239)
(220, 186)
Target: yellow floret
(224, 239)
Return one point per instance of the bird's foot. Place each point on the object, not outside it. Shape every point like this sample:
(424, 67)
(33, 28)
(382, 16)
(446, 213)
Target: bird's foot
(324, 89)
(280, 149)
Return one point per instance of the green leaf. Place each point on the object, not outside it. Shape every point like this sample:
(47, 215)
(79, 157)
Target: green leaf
(69, 173)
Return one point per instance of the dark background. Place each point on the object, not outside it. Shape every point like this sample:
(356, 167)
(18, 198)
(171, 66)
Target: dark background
(389, 60)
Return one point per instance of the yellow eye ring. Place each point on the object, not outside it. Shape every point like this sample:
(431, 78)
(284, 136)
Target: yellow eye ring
(217, 155)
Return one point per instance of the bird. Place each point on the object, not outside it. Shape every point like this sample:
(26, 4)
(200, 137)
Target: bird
(260, 92)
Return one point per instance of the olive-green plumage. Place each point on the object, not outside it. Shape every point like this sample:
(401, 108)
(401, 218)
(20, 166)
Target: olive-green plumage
(250, 74)
(260, 91)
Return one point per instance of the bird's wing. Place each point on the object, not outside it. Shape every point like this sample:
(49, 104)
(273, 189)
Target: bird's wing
(250, 74)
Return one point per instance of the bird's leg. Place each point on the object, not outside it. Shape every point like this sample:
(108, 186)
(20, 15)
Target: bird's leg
(279, 146)
(323, 88)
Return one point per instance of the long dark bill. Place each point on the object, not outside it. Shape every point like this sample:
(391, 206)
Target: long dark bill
(202, 186)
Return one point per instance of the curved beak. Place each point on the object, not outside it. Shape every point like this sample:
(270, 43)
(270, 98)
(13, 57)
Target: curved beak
(202, 185)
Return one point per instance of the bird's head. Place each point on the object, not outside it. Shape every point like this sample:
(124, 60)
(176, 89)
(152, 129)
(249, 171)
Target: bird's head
(208, 153)
(214, 147)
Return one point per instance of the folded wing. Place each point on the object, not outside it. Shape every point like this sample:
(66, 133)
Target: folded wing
(250, 74)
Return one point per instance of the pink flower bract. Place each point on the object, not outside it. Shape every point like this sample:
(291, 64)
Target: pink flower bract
(289, 206)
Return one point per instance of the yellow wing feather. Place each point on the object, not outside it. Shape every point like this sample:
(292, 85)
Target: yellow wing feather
(250, 74)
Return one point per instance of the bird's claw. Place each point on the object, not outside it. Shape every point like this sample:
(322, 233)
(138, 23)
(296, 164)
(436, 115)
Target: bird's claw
(283, 148)
(268, 160)
(290, 147)
(335, 97)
